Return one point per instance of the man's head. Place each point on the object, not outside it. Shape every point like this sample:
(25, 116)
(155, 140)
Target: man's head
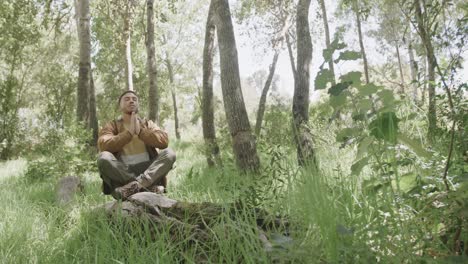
(128, 102)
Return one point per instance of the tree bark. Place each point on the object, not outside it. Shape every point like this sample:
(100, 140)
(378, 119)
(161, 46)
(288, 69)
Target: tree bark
(431, 64)
(93, 122)
(361, 44)
(413, 67)
(209, 132)
(291, 56)
(300, 110)
(263, 97)
(153, 97)
(127, 40)
(244, 146)
(402, 79)
(327, 38)
(85, 62)
(173, 94)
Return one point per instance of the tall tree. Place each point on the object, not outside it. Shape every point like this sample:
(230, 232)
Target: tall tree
(327, 37)
(85, 62)
(153, 96)
(413, 65)
(300, 109)
(244, 146)
(425, 25)
(170, 71)
(129, 6)
(209, 132)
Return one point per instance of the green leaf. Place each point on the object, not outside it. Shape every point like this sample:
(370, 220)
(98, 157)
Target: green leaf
(336, 89)
(364, 105)
(328, 54)
(385, 127)
(408, 182)
(347, 133)
(414, 145)
(354, 77)
(368, 89)
(357, 167)
(324, 76)
(337, 45)
(348, 55)
(387, 98)
(337, 102)
(363, 146)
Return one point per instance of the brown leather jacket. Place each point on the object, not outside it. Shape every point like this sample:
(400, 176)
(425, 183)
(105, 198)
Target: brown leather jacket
(113, 137)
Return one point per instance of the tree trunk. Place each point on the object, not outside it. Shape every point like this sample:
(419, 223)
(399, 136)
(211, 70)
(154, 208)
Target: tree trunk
(173, 93)
(127, 39)
(426, 39)
(93, 122)
(361, 44)
(291, 56)
(402, 79)
(85, 62)
(327, 37)
(300, 110)
(413, 67)
(244, 146)
(153, 98)
(263, 97)
(209, 132)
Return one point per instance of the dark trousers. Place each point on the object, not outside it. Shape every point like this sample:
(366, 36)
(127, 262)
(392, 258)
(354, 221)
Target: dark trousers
(115, 173)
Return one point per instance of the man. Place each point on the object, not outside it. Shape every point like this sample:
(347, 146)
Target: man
(128, 160)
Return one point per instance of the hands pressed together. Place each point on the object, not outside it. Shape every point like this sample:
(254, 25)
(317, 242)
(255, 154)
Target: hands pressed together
(134, 127)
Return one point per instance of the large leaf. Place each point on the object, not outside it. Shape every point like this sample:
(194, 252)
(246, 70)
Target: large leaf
(368, 89)
(348, 55)
(407, 182)
(346, 133)
(354, 77)
(357, 167)
(336, 89)
(414, 145)
(328, 54)
(364, 105)
(385, 127)
(338, 102)
(387, 98)
(363, 146)
(324, 76)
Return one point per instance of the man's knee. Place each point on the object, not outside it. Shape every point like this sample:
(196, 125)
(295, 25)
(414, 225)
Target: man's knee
(105, 157)
(168, 155)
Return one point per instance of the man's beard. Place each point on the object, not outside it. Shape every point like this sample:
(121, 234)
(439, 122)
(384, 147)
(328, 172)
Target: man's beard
(130, 112)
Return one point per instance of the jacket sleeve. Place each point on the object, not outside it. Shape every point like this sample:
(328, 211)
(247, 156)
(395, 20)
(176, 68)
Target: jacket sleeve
(108, 141)
(153, 136)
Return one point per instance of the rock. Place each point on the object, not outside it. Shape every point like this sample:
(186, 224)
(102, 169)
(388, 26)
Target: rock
(67, 188)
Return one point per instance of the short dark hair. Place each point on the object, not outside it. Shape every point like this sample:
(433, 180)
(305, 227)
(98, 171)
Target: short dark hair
(126, 92)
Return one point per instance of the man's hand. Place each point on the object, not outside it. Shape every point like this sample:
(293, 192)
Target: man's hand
(134, 128)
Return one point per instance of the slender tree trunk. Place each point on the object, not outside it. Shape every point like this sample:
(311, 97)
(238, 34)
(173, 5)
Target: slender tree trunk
(85, 62)
(209, 132)
(127, 39)
(361, 44)
(424, 91)
(153, 98)
(173, 94)
(402, 79)
(291, 56)
(300, 110)
(413, 67)
(93, 122)
(431, 60)
(327, 37)
(263, 97)
(244, 146)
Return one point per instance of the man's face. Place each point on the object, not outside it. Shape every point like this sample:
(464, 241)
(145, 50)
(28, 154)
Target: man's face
(129, 103)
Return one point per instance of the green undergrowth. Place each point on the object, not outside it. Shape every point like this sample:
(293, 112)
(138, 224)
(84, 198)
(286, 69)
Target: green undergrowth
(333, 216)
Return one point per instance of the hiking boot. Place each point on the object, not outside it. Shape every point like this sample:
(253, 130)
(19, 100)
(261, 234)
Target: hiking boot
(122, 193)
(159, 189)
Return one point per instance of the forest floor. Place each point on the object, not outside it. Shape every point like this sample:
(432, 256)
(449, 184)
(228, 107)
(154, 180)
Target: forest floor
(332, 220)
